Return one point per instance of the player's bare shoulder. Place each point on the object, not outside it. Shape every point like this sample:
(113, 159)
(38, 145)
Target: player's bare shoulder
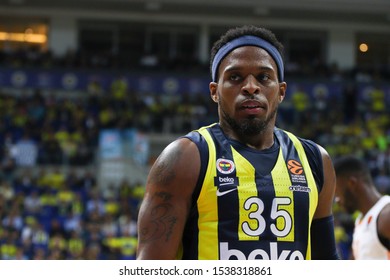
(179, 163)
(327, 163)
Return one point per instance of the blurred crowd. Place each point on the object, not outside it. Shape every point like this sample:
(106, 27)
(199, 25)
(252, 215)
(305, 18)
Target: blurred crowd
(53, 214)
(32, 56)
(57, 215)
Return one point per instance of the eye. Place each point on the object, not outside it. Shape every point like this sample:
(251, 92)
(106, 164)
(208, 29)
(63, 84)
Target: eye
(263, 77)
(234, 77)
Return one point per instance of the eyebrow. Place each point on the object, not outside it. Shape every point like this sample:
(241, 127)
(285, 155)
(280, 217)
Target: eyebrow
(238, 68)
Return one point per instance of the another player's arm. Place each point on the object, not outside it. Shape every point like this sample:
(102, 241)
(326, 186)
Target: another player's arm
(165, 207)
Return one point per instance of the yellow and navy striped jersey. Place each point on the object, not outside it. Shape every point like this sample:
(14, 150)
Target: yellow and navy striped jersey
(252, 204)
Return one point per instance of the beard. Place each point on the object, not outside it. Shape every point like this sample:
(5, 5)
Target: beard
(250, 126)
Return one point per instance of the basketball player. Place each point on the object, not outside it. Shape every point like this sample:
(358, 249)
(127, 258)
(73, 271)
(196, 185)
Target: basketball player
(355, 191)
(240, 188)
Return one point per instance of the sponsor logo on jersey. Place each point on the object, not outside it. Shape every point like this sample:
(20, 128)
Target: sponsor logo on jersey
(225, 184)
(222, 192)
(299, 188)
(226, 253)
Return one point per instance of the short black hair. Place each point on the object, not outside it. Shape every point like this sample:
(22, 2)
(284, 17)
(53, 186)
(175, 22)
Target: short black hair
(352, 165)
(236, 32)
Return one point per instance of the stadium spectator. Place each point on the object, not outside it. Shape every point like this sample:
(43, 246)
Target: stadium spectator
(301, 104)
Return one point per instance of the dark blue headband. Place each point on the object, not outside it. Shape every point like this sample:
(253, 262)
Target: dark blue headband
(248, 40)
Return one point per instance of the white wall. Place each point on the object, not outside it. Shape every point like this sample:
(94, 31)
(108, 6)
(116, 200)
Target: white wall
(341, 47)
(62, 34)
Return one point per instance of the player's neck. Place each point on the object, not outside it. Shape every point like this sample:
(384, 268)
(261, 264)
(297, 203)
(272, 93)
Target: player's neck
(371, 198)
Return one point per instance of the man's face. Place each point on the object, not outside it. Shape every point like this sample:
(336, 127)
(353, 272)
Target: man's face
(248, 91)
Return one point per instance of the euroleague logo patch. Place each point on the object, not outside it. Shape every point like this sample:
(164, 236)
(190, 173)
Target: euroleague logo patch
(295, 167)
(225, 166)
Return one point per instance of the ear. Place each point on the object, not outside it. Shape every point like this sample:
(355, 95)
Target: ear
(282, 91)
(353, 184)
(213, 86)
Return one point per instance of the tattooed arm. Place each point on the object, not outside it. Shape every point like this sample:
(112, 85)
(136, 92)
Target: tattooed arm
(167, 200)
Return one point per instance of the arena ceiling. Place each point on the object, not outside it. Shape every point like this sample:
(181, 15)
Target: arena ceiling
(370, 11)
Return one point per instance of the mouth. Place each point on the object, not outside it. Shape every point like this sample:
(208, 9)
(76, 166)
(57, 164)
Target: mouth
(252, 107)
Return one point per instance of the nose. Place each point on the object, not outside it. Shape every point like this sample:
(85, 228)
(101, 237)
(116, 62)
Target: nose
(251, 85)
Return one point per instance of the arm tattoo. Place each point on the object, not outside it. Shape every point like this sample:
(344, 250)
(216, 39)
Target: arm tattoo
(165, 172)
(162, 223)
(162, 216)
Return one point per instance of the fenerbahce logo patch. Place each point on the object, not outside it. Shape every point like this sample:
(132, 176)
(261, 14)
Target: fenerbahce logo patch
(225, 166)
(225, 182)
